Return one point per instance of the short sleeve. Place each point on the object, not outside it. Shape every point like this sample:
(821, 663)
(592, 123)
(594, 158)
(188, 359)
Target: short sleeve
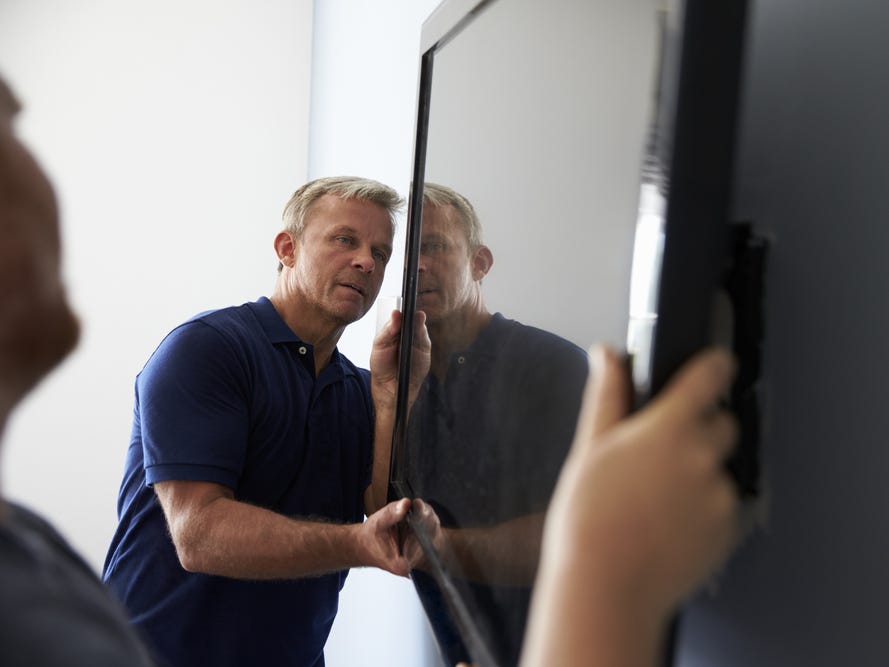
(193, 408)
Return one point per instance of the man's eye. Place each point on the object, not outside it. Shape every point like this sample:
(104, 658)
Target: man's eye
(381, 257)
(347, 240)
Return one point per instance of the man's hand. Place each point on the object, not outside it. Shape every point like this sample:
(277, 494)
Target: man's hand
(384, 359)
(425, 520)
(378, 539)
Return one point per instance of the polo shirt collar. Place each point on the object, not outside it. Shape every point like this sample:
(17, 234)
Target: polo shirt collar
(278, 332)
(275, 327)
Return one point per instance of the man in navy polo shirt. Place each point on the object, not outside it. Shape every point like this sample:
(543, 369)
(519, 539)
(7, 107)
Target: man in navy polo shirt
(250, 464)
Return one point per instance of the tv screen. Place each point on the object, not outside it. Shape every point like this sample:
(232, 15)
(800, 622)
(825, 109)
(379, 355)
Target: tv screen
(574, 158)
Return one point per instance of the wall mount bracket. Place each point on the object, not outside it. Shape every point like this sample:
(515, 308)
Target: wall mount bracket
(743, 282)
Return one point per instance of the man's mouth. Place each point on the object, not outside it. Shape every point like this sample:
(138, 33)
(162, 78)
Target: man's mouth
(356, 287)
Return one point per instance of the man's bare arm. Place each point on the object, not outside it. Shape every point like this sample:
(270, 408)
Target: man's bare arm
(216, 534)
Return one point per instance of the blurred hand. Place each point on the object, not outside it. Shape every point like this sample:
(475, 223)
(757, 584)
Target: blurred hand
(649, 495)
(643, 512)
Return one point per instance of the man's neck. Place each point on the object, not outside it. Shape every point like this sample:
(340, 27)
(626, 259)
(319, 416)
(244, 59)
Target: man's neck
(321, 334)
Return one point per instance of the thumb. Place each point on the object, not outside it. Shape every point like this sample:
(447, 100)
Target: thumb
(391, 330)
(398, 510)
(606, 400)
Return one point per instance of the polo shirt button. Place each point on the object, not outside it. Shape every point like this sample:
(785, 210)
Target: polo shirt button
(302, 349)
(461, 360)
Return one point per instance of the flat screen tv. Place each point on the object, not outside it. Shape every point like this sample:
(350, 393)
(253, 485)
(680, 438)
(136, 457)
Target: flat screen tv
(594, 143)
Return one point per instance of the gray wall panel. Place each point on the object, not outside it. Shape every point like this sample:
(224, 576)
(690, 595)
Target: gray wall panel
(812, 588)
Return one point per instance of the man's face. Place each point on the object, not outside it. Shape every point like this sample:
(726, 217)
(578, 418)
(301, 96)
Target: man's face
(37, 327)
(341, 257)
(448, 273)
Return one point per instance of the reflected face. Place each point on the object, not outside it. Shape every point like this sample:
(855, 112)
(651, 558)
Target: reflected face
(340, 258)
(37, 327)
(448, 281)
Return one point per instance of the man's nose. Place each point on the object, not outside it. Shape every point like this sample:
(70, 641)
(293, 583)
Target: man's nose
(364, 260)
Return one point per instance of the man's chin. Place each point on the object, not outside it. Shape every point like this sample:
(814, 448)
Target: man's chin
(349, 314)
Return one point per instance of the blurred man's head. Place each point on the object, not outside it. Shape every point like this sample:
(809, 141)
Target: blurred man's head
(37, 326)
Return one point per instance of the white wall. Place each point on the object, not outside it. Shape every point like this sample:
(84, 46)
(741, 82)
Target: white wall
(365, 68)
(174, 132)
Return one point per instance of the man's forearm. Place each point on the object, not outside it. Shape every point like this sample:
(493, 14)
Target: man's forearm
(233, 539)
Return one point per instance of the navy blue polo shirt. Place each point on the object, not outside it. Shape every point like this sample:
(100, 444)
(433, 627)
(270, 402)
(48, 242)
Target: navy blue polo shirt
(230, 397)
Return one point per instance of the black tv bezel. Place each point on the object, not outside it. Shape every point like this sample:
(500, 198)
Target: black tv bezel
(701, 174)
(695, 146)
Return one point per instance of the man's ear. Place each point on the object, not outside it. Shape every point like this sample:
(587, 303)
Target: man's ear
(482, 261)
(285, 248)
